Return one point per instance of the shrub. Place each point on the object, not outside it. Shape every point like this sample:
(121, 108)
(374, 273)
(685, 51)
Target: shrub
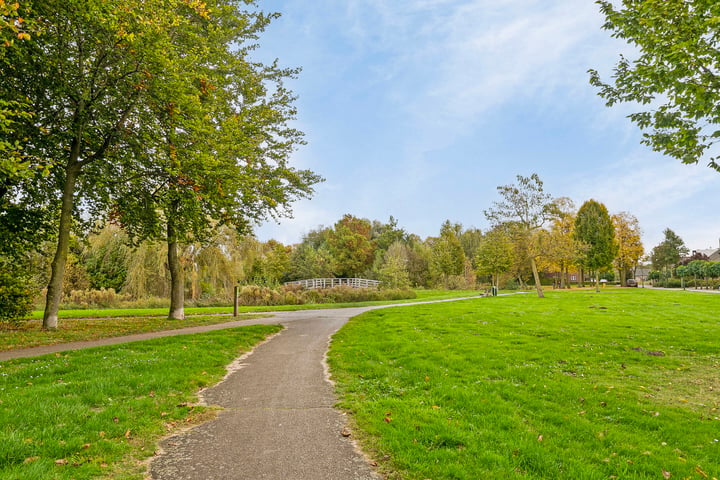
(103, 298)
(16, 297)
(254, 295)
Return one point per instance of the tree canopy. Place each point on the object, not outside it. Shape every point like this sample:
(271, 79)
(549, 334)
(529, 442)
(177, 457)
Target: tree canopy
(595, 230)
(528, 207)
(154, 113)
(675, 75)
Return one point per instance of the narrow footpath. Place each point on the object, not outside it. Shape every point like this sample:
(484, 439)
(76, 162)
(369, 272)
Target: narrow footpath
(278, 420)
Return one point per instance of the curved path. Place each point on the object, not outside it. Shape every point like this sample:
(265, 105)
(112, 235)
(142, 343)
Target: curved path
(277, 419)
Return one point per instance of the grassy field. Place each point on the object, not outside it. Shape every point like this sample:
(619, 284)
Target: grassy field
(98, 413)
(91, 324)
(31, 334)
(624, 384)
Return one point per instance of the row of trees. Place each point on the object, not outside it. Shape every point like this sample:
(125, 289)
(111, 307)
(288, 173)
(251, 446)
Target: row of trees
(532, 236)
(152, 115)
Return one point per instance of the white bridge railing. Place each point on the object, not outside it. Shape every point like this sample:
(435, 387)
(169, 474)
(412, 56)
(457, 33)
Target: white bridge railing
(336, 282)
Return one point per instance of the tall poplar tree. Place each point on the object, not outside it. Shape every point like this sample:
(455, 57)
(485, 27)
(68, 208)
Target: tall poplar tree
(594, 229)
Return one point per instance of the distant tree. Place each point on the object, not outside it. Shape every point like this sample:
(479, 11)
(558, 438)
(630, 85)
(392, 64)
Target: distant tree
(594, 229)
(470, 240)
(527, 206)
(351, 246)
(494, 254)
(675, 73)
(563, 250)
(106, 258)
(668, 253)
(630, 247)
(447, 255)
(394, 270)
(419, 254)
(385, 234)
(307, 262)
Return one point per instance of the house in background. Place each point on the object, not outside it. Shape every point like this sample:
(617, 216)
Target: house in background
(712, 254)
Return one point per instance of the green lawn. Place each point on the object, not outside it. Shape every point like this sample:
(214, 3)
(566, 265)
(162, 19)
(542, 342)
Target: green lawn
(624, 384)
(98, 413)
(91, 324)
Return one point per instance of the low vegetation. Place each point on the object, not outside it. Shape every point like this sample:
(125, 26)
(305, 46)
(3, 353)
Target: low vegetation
(99, 413)
(580, 385)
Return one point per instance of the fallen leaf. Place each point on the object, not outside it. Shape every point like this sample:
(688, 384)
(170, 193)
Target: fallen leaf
(151, 394)
(127, 434)
(666, 474)
(540, 438)
(345, 432)
(427, 379)
(700, 472)
(116, 419)
(61, 461)
(388, 419)
(86, 446)
(435, 407)
(101, 434)
(30, 460)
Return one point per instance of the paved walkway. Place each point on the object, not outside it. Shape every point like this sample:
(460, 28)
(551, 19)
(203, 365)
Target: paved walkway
(277, 419)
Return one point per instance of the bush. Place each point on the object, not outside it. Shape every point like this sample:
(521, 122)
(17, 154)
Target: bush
(16, 298)
(103, 298)
(254, 295)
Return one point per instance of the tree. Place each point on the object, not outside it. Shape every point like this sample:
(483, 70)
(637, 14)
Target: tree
(86, 78)
(351, 246)
(494, 254)
(394, 269)
(594, 229)
(675, 73)
(564, 250)
(668, 253)
(528, 207)
(447, 255)
(630, 247)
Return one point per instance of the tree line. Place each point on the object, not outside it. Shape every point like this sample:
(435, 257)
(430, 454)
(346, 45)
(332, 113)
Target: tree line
(533, 239)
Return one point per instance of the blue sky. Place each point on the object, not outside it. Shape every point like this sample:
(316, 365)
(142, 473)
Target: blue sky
(420, 109)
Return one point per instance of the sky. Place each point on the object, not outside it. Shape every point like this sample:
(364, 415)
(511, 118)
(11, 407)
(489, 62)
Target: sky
(419, 109)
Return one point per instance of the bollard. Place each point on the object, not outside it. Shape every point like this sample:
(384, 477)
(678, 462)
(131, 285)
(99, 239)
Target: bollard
(235, 302)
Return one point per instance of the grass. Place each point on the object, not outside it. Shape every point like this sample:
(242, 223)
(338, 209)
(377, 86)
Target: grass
(99, 413)
(624, 384)
(159, 312)
(92, 324)
(31, 334)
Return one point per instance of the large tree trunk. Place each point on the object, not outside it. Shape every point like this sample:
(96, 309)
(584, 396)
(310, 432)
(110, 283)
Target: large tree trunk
(55, 287)
(177, 282)
(536, 276)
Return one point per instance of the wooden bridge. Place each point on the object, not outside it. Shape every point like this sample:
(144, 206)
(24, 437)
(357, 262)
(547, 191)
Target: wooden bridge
(336, 282)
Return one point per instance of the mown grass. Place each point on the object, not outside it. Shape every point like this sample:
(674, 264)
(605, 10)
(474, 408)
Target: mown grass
(624, 384)
(98, 413)
(31, 334)
(92, 324)
(422, 295)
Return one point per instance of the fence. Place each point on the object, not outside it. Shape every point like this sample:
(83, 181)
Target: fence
(336, 282)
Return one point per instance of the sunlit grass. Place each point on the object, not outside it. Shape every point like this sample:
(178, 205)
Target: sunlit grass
(31, 334)
(98, 413)
(623, 384)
